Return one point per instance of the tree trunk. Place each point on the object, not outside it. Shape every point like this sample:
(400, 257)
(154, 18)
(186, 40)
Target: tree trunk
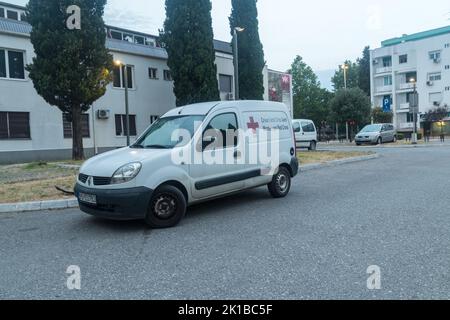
(77, 135)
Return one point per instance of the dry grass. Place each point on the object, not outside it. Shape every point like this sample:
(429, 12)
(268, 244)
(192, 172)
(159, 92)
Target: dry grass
(310, 157)
(36, 190)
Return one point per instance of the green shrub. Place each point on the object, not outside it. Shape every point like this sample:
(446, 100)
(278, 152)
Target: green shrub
(400, 136)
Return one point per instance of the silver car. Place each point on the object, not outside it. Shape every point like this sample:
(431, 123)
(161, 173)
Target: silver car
(376, 134)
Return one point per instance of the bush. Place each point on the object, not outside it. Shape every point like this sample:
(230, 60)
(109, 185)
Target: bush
(400, 136)
(419, 136)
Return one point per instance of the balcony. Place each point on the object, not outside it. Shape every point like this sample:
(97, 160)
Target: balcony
(383, 70)
(404, 106)
(406, 86)
(405, 126)
(382, 89)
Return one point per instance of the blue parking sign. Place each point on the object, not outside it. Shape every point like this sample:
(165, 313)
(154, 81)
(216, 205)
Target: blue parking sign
(387, 104)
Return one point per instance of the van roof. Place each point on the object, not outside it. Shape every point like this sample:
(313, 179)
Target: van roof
(203, 109)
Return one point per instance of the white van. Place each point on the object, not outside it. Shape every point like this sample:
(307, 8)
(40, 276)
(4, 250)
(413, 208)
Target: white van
(305, 134)
(169, 167)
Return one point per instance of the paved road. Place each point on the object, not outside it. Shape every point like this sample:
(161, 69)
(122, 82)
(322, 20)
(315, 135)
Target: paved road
(318, 243)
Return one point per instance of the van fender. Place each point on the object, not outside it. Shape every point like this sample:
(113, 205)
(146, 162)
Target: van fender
(166, 174)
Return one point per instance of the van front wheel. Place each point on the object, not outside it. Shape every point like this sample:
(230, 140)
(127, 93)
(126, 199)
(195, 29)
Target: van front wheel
(281, 183)
(167, 207)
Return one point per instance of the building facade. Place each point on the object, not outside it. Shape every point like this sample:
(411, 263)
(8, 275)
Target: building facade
(32, 130)
(412, 62)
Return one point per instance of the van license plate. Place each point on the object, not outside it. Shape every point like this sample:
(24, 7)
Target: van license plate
(88, 198)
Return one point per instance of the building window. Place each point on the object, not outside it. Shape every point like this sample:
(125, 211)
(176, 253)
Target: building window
(167, 75)
(2, 13)
(447, 45)
(387, 80)
(13, 15)
(447, 67)
(153, 73)
(15, 125)
(12, 64)
(225, 83)
(447, 88)
(115, 35)
(121, 125)
(434, 76)
(435, 55)
(139, 40)
(119, 77)
(67, 126)
(387, 62)
(403, 59)
(153, 119)
(410, 118)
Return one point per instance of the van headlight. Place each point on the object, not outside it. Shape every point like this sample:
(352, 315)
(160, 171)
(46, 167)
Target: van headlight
(126, 173)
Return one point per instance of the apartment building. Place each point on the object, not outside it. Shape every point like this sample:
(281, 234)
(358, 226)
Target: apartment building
(32, 130)
(418, 61)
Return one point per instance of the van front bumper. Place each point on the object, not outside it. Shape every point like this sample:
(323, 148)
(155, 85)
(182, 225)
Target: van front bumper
(121, 204)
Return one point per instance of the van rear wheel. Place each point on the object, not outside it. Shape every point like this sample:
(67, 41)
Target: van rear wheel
(313, 146)
(167, 207)
(281, 183)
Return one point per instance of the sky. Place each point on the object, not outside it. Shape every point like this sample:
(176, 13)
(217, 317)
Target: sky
(324, 32)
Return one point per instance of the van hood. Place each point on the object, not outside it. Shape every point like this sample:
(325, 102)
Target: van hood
(106, 164)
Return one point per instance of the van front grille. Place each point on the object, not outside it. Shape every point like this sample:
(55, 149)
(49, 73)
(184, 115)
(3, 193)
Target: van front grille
(98, 181)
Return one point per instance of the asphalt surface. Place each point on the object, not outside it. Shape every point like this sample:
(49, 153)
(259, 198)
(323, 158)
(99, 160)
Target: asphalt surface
(393, 212)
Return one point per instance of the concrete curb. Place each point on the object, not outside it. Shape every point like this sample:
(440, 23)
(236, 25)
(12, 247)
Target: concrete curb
(38, 205)
(335, 163)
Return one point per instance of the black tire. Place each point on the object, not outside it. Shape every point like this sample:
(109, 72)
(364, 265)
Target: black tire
(312, 146)
(281, 183)
(379, 141)
(358, 144)
(167, 208)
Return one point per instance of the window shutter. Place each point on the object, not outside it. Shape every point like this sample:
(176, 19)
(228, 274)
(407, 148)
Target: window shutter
(119, 131)
(3, 125)
(19, 125)
(85, 126)
(133, 131)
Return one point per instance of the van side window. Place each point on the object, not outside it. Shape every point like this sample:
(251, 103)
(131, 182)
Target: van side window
(297, 127)
(308, 127)
(222, 127)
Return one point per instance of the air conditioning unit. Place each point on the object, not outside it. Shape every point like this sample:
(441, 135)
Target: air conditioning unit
(429, 83)
(436, 103)
(437, 60)
(374, 61)
(103, 114)
(230, 96)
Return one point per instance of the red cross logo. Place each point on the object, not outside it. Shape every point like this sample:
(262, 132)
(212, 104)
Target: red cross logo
(253, 125)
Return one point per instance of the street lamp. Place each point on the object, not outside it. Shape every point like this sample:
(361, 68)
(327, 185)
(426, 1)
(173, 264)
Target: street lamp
(236, 61)
(415, 108)
(345, 68)
(123, 67)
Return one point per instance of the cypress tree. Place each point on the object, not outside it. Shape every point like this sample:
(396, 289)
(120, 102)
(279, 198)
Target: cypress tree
(188, 38)
(71, 66)
(251, 55)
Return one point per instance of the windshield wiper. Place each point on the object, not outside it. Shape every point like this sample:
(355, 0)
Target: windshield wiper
(157, 146)
(137, 146)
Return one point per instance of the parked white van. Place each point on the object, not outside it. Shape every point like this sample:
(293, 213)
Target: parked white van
(192, 154)
(305, 134)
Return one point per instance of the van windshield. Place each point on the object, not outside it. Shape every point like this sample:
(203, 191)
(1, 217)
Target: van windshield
(161, 134)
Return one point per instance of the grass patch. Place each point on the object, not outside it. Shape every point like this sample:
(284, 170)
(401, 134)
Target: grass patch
(36, 190)
(311, 157)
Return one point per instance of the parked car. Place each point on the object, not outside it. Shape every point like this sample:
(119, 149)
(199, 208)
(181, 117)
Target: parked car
(143, 182)
(305, 134)
(376, 134)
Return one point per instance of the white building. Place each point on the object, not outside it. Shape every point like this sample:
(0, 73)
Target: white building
(424, 56)
(31, 130)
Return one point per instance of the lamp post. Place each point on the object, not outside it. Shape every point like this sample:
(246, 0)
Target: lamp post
(441, 124)
(345, 68)
(127, 107)
(236, 61)
(414, 108)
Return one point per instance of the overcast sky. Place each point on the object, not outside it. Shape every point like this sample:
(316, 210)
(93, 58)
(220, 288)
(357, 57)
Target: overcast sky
(323, 32)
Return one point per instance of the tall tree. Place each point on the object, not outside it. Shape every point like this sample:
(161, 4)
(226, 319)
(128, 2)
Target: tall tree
(380, 116)
(351, 105)
(71, 68)
(364, 71)
(251, 55)
(310, 100)
(188, 38)
(352, 74)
